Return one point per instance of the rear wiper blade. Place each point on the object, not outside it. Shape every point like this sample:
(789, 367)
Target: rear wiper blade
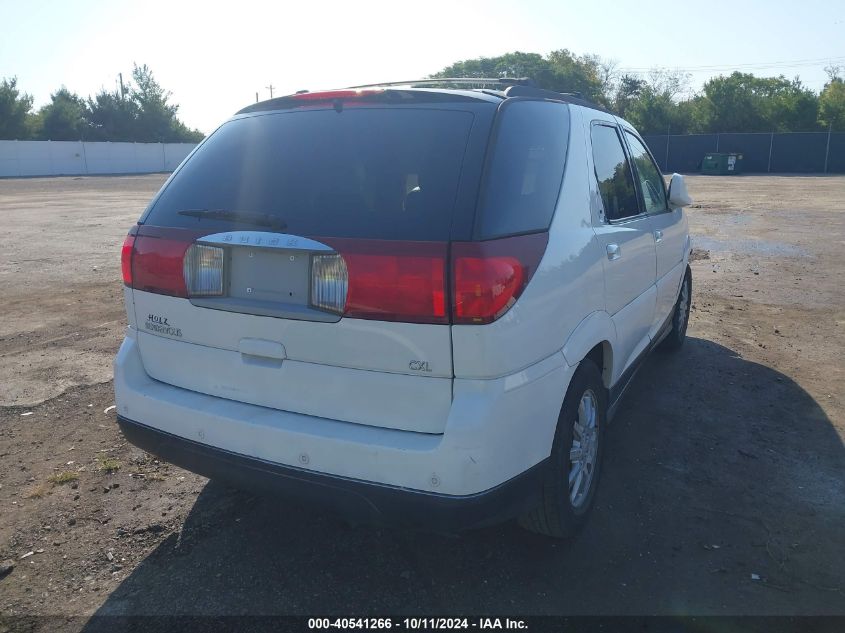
(245, 217)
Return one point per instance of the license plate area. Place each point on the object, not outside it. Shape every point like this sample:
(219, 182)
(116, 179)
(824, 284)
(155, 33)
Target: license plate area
(269, 275)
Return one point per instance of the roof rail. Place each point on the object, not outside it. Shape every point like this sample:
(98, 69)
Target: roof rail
(513, 87)
(500, 81)
(570, 97)
(506, 87)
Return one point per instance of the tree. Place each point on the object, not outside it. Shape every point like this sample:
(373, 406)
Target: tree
(652, 104)
(155, 113)
(514, 64)
(586, 75)
(788, 106)
(14, 111)
(607, 71)
(628, 90)
(63, 119)
(156, 121)
(745, 103)
(657, 113)
(832, 104)
(560, 70)
(142, 114)
(111, 117)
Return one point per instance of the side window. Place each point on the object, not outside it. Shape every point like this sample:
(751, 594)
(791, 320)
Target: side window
(526, 171)
(651, 180)
(613, 174)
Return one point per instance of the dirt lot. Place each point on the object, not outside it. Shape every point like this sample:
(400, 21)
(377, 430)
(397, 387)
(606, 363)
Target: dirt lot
(723, 490)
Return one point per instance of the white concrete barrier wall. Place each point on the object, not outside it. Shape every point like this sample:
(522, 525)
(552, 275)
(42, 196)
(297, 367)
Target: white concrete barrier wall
(75, 158)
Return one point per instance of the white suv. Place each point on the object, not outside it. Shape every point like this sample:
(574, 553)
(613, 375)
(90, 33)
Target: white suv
(418, 306)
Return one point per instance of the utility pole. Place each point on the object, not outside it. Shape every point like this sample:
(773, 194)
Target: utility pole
(256, 97)
(122, 89)
(270, 88)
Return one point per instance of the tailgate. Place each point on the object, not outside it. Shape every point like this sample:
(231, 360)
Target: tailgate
(298, 260)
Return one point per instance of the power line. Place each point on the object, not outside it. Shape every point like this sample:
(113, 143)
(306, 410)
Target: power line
(749, 66)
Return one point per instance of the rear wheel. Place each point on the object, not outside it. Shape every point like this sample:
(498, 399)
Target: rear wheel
(572, 475)
(680, 317)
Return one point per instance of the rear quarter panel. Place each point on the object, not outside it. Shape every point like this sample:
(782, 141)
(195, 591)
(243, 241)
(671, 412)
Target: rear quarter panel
(567, 287)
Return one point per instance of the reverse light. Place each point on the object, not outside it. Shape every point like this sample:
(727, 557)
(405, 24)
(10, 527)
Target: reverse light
(329, 282)
(203, 271)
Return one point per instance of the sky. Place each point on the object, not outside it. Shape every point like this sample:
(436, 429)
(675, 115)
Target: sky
(215, 56)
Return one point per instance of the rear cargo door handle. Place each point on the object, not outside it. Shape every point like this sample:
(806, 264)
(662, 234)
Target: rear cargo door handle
(261, 348)
(613, 252)
(658, 235)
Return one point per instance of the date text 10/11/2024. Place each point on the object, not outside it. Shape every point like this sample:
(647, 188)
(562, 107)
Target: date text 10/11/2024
(417, 623)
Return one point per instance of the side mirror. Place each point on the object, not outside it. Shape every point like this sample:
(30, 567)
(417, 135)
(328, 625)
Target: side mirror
(678, 194)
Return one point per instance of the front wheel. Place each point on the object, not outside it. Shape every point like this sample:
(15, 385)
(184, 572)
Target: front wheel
(572, 475)
(680, 317)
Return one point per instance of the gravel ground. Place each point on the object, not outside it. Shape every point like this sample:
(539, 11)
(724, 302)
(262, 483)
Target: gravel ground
(723, 490)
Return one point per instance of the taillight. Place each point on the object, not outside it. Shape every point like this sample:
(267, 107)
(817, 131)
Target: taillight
(488, 277)
(203, 271)
(157, 265)
(385, 280)
(126, 259)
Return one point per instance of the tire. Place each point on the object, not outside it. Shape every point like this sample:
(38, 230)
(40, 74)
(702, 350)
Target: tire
(561, 514)
(680, 317)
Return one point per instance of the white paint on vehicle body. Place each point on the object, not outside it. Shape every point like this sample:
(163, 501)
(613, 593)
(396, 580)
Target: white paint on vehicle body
(383, 399)
(495, 429)
(567, 286)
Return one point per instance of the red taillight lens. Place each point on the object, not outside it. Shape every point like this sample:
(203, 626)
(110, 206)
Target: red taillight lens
(485, 287)
(126, 259)
(394, 281)
(384, 280)
(331, 95)
(157, 265)
(488, 277)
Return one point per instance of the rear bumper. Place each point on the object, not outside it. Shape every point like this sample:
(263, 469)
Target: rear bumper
(496, 430)
(353, 499)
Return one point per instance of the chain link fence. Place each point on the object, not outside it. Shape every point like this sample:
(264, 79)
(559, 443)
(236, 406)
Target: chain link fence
(790, 153)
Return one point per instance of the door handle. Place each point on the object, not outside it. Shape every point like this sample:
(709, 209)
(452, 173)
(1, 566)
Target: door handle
(658, 235)
(261, 348)
(613, 252)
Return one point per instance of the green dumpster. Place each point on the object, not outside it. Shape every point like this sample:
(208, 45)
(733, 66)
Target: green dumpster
(721, 164)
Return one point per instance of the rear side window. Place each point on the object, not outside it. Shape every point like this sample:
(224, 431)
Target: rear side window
(613, 174)
(361, 173)
(525, 174)
(651, 180)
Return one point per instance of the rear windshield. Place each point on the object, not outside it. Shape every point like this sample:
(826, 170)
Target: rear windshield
(369, 173)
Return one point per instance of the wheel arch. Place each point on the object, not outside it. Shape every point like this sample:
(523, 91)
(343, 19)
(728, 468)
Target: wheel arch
(593, 338)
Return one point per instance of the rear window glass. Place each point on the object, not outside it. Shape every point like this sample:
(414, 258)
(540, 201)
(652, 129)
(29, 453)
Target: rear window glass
(524, 178)
(370, 173)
